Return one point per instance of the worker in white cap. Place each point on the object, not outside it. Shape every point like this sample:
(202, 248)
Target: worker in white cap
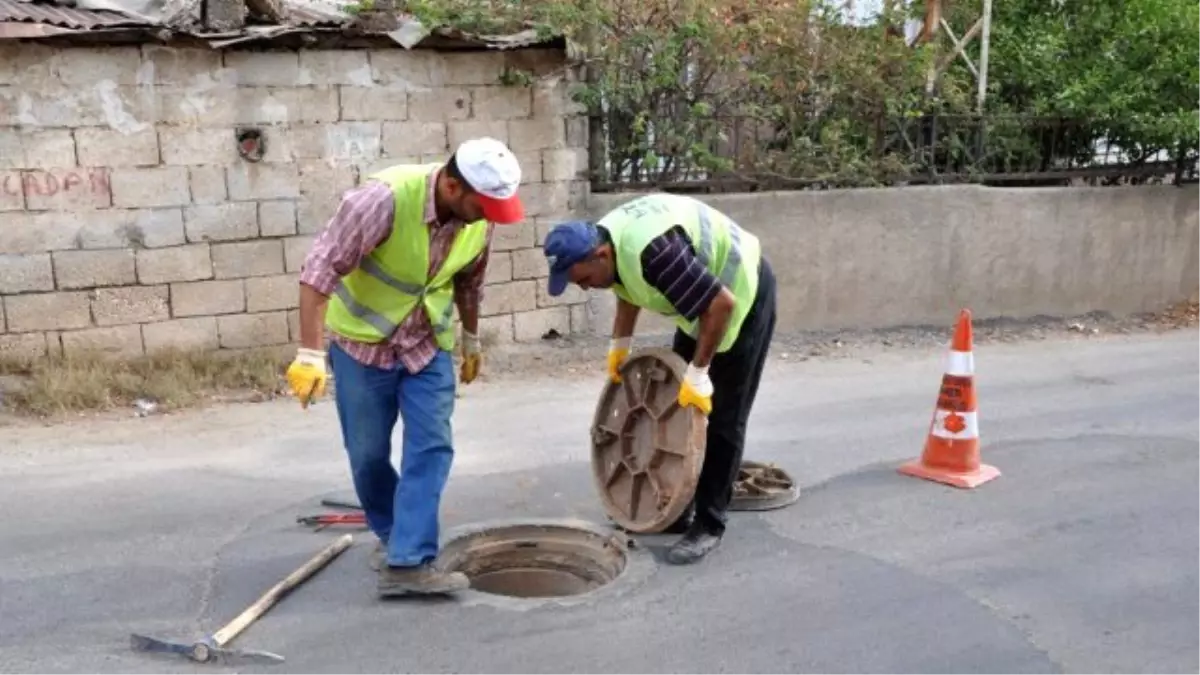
(401, 252)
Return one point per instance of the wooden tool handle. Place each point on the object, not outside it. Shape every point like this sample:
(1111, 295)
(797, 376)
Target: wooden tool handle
(276, 592)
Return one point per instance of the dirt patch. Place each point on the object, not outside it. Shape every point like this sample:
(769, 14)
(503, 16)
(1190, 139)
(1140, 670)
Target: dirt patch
(169, 380)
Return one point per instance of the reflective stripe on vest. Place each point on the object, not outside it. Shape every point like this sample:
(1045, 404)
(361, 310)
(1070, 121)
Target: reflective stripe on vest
(733, 262)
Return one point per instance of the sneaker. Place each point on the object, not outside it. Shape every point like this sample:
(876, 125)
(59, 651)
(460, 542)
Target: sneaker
(422, 580)
(693, 546)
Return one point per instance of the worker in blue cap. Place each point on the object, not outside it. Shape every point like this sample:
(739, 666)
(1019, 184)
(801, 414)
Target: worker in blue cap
(676, 256)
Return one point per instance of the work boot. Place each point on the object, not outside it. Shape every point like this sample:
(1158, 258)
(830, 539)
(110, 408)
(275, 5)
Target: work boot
(693, 546)
(378, 556)
(422, 580)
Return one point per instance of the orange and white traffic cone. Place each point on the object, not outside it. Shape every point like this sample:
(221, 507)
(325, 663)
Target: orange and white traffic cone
(951, 454)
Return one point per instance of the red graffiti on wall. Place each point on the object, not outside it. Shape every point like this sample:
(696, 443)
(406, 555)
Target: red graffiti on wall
(50, 183)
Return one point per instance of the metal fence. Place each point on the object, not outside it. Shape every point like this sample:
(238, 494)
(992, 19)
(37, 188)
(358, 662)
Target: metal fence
(746, 154)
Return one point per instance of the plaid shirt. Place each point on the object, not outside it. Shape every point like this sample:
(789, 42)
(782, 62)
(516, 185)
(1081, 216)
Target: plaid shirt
(363, 221)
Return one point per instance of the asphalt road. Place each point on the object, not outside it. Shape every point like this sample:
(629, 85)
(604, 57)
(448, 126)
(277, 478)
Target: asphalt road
(1082, 557)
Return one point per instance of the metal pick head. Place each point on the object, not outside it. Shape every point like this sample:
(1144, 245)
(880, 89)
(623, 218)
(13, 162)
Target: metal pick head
(202, 652)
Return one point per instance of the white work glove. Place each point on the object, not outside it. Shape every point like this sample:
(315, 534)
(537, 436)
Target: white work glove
(696, 389)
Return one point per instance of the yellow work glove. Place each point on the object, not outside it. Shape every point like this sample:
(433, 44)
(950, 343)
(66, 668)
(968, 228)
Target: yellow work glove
(306, 376)
(696, 389)
(472, 357)
(618, 351)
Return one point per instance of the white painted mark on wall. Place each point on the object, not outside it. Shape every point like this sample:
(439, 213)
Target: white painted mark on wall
(114, 110)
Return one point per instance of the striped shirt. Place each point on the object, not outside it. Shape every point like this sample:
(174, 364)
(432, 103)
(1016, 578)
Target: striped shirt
(670, 265)
(363, 221)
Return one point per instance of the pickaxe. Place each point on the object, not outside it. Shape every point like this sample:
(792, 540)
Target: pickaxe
(212, 647)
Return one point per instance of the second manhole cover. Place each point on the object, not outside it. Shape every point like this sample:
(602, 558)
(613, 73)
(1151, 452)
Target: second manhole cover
(647, 451)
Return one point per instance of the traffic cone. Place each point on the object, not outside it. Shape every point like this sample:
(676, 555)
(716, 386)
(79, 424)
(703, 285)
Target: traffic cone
(951, 454)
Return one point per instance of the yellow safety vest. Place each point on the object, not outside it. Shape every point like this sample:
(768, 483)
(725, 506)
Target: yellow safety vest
(370, 302)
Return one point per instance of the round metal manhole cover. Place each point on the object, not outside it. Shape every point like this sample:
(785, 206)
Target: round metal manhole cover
(647, 451)
(760, 487)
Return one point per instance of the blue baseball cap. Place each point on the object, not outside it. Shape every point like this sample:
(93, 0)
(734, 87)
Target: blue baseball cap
(567, 244)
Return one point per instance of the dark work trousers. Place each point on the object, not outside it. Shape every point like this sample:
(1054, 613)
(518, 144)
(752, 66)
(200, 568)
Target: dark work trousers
(735, 375)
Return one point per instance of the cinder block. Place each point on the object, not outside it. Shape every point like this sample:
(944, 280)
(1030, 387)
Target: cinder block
(374, 103)
(12, 195)
(495, 330)
(543, 226)
(335, 66)
(313, 215)
(176, 67)
(87, 67)
(92, 269)
(499, 269)
(66, 189)
(248, 259)
(515, 296)
(554, 100)
(576, 132)
(529, 263)
(192, 262)
(538, 62)
(503, 102)
(47, 311)
(277, 219)
(531, 166)
(536, 134)
(264, 69)
(546, 199)
(319, 180)
(403, 139)
(199, 333)
(39, 232)
(221, 222)
(208, 184)
(239, 331)
(275, 292)
(249, 182)
(295, 250)
(573, 295)
(457, 132)
(293, 316)
(113, 340)
(206, 298)
(151, 228)
(23, 346)
(198, 146)
(439, 105)
(530, 326)
(346, 142)
(471, 68)
(513, 237)
(577, 195)
(148, 188)
(260, 105)
(313, 104)
(132, 304)
(23, 61)
(408, 70)
(109, 147)
(564, 164)
(24, 273)
(22, 149)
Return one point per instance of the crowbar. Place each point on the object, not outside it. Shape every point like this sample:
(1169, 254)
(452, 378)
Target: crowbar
(212, 648)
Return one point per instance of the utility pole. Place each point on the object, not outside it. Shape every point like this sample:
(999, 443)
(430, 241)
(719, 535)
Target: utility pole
(982, 28)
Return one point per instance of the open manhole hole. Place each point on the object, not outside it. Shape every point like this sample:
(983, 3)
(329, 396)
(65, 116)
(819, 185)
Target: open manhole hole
(537, 560)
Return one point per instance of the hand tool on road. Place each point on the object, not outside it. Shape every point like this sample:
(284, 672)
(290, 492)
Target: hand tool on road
(341, 504)
(212, 647)
(323, 520)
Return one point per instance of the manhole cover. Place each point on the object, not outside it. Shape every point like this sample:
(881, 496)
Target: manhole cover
(646, 451)
(760, 487)
(536, 560)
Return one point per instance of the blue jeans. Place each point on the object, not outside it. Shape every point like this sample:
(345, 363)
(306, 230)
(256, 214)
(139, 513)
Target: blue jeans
(401, 510)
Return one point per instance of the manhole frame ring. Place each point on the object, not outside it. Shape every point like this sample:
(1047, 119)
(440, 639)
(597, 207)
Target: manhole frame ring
(639, 563)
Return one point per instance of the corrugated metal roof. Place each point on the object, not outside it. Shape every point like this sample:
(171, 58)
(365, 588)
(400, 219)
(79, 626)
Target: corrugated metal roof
(23, 11)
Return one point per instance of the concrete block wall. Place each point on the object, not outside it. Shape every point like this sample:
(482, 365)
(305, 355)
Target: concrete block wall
(130, 222)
